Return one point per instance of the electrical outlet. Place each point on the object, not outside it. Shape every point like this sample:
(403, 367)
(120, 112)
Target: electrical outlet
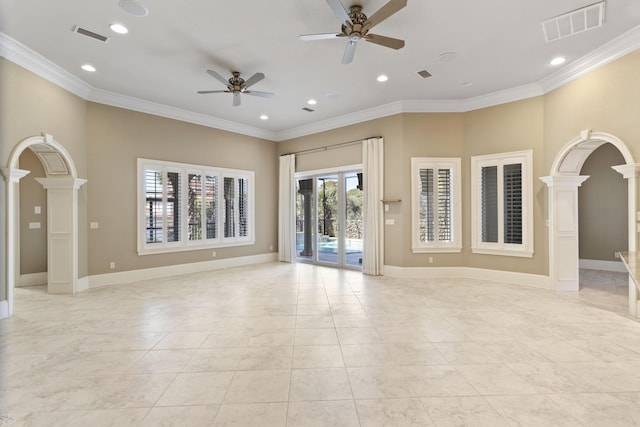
(271, 247)
(213, 254)
(430, 260)
(112, 265)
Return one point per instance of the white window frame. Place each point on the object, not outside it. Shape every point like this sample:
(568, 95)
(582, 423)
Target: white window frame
(525, 159)
(184, 244)
(435, 163)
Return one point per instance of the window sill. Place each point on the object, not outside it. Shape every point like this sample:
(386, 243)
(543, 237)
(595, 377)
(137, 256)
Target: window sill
(503, 252)
(192, 247)
(435, 250)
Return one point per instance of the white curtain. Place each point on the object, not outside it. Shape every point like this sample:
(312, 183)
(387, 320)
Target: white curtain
(373, 179)
(286, 208)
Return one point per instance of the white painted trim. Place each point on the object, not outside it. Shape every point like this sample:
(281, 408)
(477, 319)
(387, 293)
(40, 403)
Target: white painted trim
(596, 264)
(20, 54)
(511, 277)
(33, 279)
(4, 309)
(82, 284)
(99, 280)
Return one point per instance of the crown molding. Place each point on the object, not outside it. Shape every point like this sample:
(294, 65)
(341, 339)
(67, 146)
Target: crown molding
(20, 54)
(136, 104)
(609, 52)
(25, 57)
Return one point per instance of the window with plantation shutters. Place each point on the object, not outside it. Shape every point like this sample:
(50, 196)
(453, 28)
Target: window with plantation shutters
(187, 207)
(436, 205)
(502, 221)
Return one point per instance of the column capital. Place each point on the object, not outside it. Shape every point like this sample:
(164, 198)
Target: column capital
(564, 180)
(61, 183)
(628, 171)
(13, 174)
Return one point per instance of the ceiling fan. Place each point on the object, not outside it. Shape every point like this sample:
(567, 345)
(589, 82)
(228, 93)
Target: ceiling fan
(237, 85)
(356, 26)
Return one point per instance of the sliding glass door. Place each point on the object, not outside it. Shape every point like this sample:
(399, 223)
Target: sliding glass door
(329, 219)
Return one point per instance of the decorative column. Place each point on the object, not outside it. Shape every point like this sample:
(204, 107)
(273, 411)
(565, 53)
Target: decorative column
(630, 173)
(62, 233)
(306, 189)
(11, 177)
(564, 250)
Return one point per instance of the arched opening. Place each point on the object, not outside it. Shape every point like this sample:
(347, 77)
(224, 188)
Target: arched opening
(62, 184)
(563, 183)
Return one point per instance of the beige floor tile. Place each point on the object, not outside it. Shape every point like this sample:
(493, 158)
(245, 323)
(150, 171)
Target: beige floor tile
(260, 358)
(271, 338)
(314, 321)
(351, 336)
(162, 361)
(317, 356)
(531, 411)
(94, 418)
(214, 359)
(252, 415)
(496, 379)
(202, 388)
(392, 412)
(182, 340)
(326, 336)
(549, 377)
(462, 411)
(601, 409)
(322, 414)
(179, 416)
(259, 387)
(319, 384)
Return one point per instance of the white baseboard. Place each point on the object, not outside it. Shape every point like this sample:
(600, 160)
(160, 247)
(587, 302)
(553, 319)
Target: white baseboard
(596, 264)
(32, 279)
(83, 284)
(511, 277)
(174, 270)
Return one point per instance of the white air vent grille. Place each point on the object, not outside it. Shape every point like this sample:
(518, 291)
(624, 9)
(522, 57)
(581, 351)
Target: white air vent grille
(577, 21)
(83, 31)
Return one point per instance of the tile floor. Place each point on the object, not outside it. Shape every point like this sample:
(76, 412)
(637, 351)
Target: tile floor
(298, 345)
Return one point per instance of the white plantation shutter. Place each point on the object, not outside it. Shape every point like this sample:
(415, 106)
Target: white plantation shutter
(489, 201)
(512, 195)
(445, 205)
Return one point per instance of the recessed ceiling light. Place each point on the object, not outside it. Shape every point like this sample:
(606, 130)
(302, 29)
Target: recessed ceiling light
(312, 102)
(447, 57)
(333, 95)
(466, 84)
(382, 78)
(89, 68)
(264, 117)
(134, 8)
(119, 28)
(558, 60)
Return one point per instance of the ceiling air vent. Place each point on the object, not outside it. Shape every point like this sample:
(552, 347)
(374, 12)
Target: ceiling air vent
(574, 22)
(424, 74)
(309, 110)
(78, 29)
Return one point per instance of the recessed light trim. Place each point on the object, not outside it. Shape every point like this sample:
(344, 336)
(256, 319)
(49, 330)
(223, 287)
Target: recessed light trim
(312, 102)
(119, 28)
(558, 60)
(382, 78)
(264, 117)
(466, 84)
(88, 67)
(133, 8)
(447, 57)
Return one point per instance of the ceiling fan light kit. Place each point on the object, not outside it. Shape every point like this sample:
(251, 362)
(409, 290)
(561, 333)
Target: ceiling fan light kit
(236, 85)
(356, 26)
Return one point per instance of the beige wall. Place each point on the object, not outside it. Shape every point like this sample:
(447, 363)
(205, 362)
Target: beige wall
(31, 106)
(33, 242)
(509, 127)
(118, 137)
(603, 206)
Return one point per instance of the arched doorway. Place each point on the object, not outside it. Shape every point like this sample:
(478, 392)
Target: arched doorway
(62, 186)
(563, 182)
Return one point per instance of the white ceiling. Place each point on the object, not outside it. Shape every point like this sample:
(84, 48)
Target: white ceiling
(164, 57)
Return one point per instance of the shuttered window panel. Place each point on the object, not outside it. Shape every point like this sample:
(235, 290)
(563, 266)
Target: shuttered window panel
(445, 196)
(243, 206)
(211, 206)
(174, 201)
(489, 203)
(154, 206)
(427, 211)
(194, 207)
(512, 203)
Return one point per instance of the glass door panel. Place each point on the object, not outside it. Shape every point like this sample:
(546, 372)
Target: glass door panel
(354, 227)
(328, 224)
(304, 219)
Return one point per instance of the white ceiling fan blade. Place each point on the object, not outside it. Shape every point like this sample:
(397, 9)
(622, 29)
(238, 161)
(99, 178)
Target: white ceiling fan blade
(339, 10)
(385, 41)
(218, 77)
(325, 36)
(349, 51)
(385, 11)
(259, 93)
(236, 99)
(253, 80)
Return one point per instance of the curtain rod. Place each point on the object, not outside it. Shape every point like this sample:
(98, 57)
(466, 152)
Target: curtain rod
(329, 147)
